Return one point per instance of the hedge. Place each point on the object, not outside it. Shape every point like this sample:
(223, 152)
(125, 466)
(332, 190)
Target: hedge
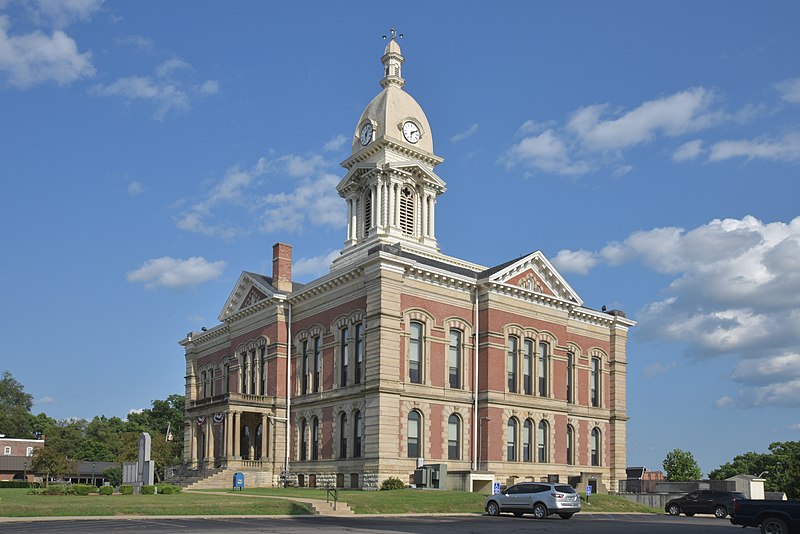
(148, 489)
(15, 484)
(126, 489)
(106, 490)
(84, 489)
(168, 489)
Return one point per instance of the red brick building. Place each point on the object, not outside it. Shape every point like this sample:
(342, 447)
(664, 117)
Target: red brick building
(383, 371)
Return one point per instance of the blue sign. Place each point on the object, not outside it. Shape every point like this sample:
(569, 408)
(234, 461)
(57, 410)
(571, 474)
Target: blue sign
(588, 490)
(495, 488)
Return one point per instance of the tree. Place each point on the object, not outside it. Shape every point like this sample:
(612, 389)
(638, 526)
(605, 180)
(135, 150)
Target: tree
(749, 463)
(15, 408)
(681, 465)
(51, 463)
(780, 467)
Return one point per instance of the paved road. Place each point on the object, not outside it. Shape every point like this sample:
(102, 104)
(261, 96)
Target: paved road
(583, 523)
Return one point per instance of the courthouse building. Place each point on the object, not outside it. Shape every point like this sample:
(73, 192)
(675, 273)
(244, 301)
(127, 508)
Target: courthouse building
(401, 355)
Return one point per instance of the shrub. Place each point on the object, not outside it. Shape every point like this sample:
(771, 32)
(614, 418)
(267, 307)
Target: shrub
(106, 490)
(14, 484)
(126, 489)
(83, 489)
(168, 489)
(59, 489)
(114, 475)
(392, 483)
(148, 489)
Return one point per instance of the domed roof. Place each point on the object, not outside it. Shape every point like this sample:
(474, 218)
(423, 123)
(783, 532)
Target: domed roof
(393, 107)
(388, 111)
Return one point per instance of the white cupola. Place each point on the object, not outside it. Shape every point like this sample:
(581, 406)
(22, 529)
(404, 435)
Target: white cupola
(390, 187)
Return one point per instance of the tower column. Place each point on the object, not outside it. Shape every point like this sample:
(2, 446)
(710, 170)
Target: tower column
(432, 230)
(378, 207)
(193, 442)
(229, 435)
(424, 227)
(237, 433)
(264, 450)
(390, 203)
(372, 196)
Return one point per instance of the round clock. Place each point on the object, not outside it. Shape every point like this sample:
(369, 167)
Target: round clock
(366, 134)
(411, 132)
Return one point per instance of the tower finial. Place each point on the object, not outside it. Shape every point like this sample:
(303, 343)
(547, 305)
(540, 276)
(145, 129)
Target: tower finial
(394, 35)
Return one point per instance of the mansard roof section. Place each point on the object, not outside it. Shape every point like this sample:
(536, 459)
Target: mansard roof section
(250, 289)
(541, 270)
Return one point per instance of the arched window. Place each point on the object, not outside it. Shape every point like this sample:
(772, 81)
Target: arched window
(204, 379)
(359, 370)
(304, 371)
(542, 436)
(367, 211)
(415, 353)
(317, 364)
(511, 364)
(455, 359)
(527, 441)
(544, 351)
(345, 356)
(262, 369)
(570, 445)
(595, 446)
(453, 437)
(226, 384)
(315, 439)
(211, 382)
(413, 434)
(594, 381)
(511, 440)
(303, 442)
(357, 435)
(7, 450)
(343, 435)
(407, 211)
(570, 375)
(527, 367)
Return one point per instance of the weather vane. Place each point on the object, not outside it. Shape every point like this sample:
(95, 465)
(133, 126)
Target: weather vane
(392, 33)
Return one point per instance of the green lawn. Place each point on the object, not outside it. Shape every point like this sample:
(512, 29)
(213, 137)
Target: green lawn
(434, 501)
(17, 503)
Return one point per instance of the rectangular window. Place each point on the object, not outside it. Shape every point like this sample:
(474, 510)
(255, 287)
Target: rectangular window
(204, 379)
(359, 352)
(253, 376)
(226, 384)
(211, 382)
(304, 375)
(512, 364)
(263, 370)
(527, 368)
(595, 382)
(455, 359)
(544, 349)
(415, 354)
(345, 356)
(317, 364)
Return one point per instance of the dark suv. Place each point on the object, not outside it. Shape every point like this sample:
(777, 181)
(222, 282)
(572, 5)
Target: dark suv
(719, 503)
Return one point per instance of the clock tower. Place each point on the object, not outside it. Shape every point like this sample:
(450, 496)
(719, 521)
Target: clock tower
(390, 186)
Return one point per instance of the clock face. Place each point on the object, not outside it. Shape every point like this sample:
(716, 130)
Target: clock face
(411, 132)
(366, 134)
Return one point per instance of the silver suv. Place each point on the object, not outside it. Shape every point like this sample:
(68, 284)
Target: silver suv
(538, 498)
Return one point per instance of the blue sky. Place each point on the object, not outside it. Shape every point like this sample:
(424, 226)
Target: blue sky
(151, 151)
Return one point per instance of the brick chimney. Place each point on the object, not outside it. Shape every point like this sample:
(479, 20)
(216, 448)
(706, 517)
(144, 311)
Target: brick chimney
(282, 267)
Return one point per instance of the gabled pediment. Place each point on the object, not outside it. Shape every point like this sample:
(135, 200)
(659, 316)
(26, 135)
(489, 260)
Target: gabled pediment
(250, 289)
(534, 272)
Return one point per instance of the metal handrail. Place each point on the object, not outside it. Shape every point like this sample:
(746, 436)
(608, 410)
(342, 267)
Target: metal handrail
(331, 490)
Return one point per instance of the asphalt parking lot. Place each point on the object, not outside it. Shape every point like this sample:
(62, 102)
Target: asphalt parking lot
(583, 523)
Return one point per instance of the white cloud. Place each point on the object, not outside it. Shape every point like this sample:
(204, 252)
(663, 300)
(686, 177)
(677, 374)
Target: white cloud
(735, 290)
(544, 152)
(724, 402)
(575, 261)
(672, 115)
(176, 273)
(688, 150)
(138, 42)
(469, 132)
(314, 266)
(135, 188)
(789, 90)
(35, 58)
(308, 197)
(62, 13)
(335, 144)
(168, 90)
(795, 426)
(47, 399)
(787, 148)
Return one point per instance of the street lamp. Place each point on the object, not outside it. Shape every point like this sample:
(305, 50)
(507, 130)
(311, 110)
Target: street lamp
(92, 473)
(480, 439)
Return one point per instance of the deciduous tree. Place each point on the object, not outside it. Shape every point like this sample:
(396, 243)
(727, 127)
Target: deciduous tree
(681, 465)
